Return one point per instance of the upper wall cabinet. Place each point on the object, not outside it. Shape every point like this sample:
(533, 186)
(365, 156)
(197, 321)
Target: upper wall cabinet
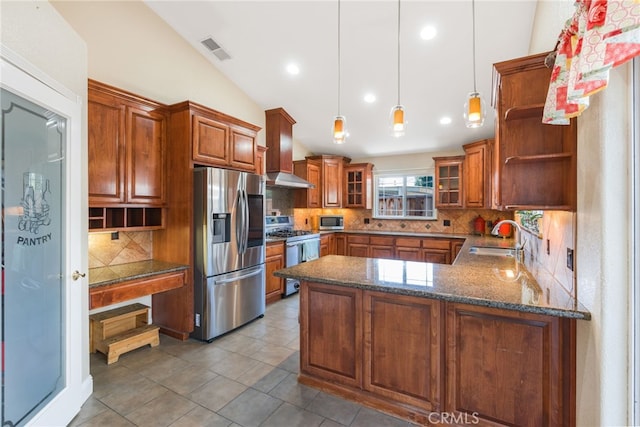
(357, 185)
(534, 163)
(127, 140)
(449, 181)
(477, 174)
(331, 176)
(216, 138)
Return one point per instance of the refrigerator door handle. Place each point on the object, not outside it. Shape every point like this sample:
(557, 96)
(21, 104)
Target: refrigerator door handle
(240, 222)
(246, 220)
(237, 278)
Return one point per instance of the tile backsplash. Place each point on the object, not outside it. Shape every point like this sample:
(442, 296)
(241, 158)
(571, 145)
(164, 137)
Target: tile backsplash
(546, 256)
(460, 220)
(131, 246)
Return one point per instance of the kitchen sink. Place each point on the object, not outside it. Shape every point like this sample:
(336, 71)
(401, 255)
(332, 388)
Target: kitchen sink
(493, 251)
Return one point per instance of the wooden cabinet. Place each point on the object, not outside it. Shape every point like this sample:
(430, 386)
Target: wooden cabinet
(357, 245)
(198, 135)
(357, 191)
(274, 286)
(456, 246)
(340, 244)
(260, 159)
(309, 170)
(509, 368)
(215, 138)
(327, 244)
(478, 174)
(127, 140)
(436, 250)
(409, 248)
(417, 357)
(402, 360)
(534, 163)
(423, 249)
(102, 296)
(332, 322)
(381, 247)
(329, 174)
(449, 181)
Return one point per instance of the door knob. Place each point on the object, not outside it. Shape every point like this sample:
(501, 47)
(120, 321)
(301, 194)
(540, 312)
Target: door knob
(76, 275)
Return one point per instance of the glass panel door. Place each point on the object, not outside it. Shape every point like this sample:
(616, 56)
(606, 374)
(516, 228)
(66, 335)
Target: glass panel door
(45, 365)
(33, 194)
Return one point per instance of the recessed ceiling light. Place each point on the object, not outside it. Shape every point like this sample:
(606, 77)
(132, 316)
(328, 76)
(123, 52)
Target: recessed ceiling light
(428, 32)
(293, 69)
(445, 120)
(369, 98)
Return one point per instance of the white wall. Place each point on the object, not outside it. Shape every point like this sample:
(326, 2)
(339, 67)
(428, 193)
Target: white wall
(130, 47)
(602, 256)
(37, 32)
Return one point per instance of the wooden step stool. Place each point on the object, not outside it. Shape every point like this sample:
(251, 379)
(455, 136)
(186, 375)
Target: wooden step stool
(115, 332)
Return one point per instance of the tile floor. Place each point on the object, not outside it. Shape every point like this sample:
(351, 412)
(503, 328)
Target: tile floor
(245, 378)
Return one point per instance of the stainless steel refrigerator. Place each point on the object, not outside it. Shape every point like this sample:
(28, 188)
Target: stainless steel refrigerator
(229, 271)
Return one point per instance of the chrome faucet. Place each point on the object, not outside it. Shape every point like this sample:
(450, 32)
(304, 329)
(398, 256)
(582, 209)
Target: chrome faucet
(518, 232)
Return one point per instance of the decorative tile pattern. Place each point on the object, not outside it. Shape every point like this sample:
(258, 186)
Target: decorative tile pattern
(131, 246)
(461, 220)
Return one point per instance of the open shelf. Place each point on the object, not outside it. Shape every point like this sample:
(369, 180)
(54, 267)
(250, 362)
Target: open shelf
(524, 112)
(538, 158)
(125, 218)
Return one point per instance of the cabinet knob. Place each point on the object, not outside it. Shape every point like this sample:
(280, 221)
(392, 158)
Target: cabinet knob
(76, 275)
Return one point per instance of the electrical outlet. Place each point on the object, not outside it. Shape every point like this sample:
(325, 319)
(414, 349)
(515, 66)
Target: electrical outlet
(197, 320)
(570, 259)
(115, 235)
(446, 222)
(306, 221)
(367, 220)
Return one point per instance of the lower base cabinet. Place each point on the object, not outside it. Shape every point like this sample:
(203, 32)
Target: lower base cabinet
(510, 369)
(402, 349)
(274, 260)
(428, 360)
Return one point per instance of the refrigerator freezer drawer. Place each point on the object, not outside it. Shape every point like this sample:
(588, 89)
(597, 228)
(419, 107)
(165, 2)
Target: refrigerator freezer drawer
(228, 301)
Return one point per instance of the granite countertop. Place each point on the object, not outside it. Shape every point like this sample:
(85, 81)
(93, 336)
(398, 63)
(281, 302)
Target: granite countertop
(102, 276)
(490, 281)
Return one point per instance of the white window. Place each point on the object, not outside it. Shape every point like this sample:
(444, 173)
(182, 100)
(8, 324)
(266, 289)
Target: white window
(407, 195)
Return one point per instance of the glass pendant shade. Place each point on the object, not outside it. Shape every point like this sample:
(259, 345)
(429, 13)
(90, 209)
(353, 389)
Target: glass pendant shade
(474, 110)
(398, 124)
(339, 130)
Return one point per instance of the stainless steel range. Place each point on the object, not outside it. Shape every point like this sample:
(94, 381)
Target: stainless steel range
(301, 245)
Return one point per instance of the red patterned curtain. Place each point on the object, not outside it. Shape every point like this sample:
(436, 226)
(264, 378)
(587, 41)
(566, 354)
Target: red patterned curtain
(601, 35)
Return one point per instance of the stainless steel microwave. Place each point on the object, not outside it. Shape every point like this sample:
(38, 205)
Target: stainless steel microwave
(330, 222)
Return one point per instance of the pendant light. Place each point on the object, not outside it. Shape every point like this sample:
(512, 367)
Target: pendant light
(474, 108)
(339, 121)
(398, 123)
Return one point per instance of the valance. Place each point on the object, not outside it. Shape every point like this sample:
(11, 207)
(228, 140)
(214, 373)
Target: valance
(601, 35)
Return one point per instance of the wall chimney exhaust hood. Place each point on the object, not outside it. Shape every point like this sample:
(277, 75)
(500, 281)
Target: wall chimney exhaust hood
(279, 127)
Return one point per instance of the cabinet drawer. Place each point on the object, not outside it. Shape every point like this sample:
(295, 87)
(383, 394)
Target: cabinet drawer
(436, 244)
(407, 242)
(274, 249)
(357, 239)
(381, 240)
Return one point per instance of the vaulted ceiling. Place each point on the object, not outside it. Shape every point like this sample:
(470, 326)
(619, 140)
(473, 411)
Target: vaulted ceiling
(263, 37)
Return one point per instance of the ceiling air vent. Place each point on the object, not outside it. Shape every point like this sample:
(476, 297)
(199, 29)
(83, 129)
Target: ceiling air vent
(214, 47)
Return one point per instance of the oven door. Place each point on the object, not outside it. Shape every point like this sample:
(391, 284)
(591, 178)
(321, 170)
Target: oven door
(294, 255)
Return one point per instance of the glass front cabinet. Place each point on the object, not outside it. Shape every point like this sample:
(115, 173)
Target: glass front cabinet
(449, 181)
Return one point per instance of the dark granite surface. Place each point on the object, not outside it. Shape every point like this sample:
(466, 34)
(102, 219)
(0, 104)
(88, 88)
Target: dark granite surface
(102, 276)
(490, 281)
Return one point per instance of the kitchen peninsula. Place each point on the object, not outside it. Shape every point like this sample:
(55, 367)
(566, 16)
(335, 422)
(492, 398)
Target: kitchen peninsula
(477, 339)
